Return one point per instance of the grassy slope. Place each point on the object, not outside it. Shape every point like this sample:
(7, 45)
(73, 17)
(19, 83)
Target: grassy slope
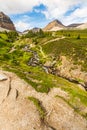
(42, 82)
(72, 33)
(70, 47)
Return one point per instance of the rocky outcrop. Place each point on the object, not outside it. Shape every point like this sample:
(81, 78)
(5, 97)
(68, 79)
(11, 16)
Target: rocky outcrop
(5, 22)
(72, 72)
(17, 112)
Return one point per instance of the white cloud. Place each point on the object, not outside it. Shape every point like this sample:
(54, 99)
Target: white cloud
(57, 8)
(54, 9)
(17, 6)
(21, 25)
(77, 16)
(80, 12)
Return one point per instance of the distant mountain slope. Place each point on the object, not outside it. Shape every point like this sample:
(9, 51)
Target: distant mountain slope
(83, 26)
(74, 25)
(5, 22)
(36, 29)
(54, 26)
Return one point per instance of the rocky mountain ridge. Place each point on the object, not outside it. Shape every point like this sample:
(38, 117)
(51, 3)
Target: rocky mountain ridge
(57, 25)
(6, 23)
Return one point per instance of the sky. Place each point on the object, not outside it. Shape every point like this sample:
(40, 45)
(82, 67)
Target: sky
(27, 14)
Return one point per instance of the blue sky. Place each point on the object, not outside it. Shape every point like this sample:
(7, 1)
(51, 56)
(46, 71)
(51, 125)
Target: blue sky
(32, 18)
(27, 14)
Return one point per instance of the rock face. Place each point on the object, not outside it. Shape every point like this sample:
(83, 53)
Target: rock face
(5, 22)
(54, 26)
(17, 112)
(72, 72)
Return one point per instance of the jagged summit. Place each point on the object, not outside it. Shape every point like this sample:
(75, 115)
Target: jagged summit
(56, 21)
(5, 22)
(54, 26)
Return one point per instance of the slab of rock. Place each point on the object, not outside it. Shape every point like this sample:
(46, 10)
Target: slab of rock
(19, 113)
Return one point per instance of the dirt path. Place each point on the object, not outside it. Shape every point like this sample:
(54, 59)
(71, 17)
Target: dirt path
(53, 40)
(41, 51)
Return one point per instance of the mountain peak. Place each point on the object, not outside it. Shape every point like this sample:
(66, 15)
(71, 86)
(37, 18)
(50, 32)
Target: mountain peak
(54, 26)
(5, 22)
(3, 15)
(56, 21)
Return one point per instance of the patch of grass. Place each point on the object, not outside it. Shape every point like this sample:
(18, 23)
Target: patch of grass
(39, 107)
(68, 102)
(3, 36)
(74, 105)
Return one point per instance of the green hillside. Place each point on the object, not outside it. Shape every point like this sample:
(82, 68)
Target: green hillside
(26, 55)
